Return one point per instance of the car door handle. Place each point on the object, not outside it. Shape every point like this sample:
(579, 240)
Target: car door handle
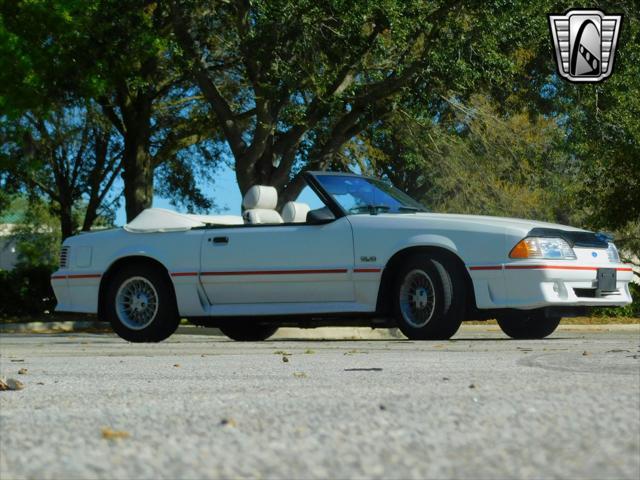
(220, 240)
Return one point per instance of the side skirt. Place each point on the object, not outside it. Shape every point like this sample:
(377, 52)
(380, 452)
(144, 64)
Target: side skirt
(347, 319)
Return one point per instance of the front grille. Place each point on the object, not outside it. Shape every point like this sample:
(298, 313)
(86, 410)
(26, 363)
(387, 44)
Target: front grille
(585, 292)
(64, 257)
(593, 293)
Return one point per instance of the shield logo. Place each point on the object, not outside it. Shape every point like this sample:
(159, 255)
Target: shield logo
(585, 42)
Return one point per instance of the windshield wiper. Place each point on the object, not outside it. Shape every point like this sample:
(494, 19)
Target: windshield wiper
(371, 209)
(405, 208)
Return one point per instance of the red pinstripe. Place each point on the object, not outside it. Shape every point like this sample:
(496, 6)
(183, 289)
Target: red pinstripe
(545, 267)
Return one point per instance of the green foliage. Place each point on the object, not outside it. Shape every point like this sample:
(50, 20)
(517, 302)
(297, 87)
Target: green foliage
(631, 310)
(290, 83)
(26, 291)
(36, 232)
(121, 57)
(479, 162)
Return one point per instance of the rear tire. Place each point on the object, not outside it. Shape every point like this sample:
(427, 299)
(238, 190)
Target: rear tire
(140, 304)
(429, 297)
(249, 332)
(527, 325)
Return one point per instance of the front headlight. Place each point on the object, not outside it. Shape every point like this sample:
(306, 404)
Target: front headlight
(612, 253)
(543, 248)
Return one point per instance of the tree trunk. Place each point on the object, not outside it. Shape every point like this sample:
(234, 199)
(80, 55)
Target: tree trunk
(138, 181)
(136, 160)
(66, 221)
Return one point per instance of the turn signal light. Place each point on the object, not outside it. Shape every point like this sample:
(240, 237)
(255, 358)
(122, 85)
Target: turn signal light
(521, 250)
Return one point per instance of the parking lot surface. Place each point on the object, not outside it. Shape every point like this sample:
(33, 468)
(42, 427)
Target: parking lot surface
(195, 406)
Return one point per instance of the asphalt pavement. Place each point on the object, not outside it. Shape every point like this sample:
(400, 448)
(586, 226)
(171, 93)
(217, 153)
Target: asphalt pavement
(198, 406)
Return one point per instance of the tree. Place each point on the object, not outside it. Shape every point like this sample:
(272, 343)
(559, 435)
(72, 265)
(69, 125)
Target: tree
(36, 233)
(121, 56)
(71, 157)
(290, 83)
(480, 162)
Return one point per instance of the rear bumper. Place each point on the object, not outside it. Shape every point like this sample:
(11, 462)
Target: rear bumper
(529, 285)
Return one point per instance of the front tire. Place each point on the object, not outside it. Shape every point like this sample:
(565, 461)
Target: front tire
(140, 304)
(430, 294)
(527, 325)
(249, 332)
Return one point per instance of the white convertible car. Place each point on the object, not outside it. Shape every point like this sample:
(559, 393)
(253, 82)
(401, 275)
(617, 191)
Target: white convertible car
(363, 253)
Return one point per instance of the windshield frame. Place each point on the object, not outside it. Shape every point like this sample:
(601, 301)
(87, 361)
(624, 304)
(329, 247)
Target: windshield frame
(311, 177)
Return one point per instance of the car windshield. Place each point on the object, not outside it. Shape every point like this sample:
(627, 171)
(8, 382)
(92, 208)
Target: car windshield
(360, 195)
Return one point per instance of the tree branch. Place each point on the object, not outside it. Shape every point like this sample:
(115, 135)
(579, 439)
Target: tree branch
(209, 89)
(111, 114)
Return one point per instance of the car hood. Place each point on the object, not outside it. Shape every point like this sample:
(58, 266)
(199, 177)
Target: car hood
(447, 222)
(505, 222)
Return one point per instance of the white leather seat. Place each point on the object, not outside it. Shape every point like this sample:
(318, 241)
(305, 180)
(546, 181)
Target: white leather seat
(260, 202)
(295, 212)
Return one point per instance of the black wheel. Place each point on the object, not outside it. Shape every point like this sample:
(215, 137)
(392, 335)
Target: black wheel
(248, 332)
(140, 304)
(527, 324)
(429, 297)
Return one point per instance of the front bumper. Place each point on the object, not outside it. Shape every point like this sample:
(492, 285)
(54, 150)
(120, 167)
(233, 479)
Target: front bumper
(76, 292)
(530, 285)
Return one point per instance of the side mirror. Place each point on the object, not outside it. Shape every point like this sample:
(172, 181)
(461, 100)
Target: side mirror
(320, 216)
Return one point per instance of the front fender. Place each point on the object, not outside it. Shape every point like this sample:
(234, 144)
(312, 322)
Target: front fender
(425, 240)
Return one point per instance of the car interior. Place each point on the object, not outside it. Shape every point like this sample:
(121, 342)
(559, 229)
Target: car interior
(260, 204)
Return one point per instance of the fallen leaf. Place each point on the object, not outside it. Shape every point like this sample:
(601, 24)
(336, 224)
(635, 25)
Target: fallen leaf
(22, 371)
(228, 422)
(299, 374)
(382, 407)
(285, 359)
(176, 365)
(109, 434)
(309, 351)
(472, 386)
(585, 353)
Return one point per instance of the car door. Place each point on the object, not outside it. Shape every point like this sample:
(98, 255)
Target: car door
(285, 263)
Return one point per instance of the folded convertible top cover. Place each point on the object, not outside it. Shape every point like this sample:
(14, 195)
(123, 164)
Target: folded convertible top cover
(162, 220)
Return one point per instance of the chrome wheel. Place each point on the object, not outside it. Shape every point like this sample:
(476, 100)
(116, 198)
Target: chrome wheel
(417, 298)
(136, 303)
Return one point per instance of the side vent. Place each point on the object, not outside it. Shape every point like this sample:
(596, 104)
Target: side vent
(64, 257)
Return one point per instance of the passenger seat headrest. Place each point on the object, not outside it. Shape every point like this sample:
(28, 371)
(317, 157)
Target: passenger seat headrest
(260, 196)
(295, 212)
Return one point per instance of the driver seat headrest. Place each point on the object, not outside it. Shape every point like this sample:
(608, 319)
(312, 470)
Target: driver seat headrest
(295, 212)
(260, 197)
